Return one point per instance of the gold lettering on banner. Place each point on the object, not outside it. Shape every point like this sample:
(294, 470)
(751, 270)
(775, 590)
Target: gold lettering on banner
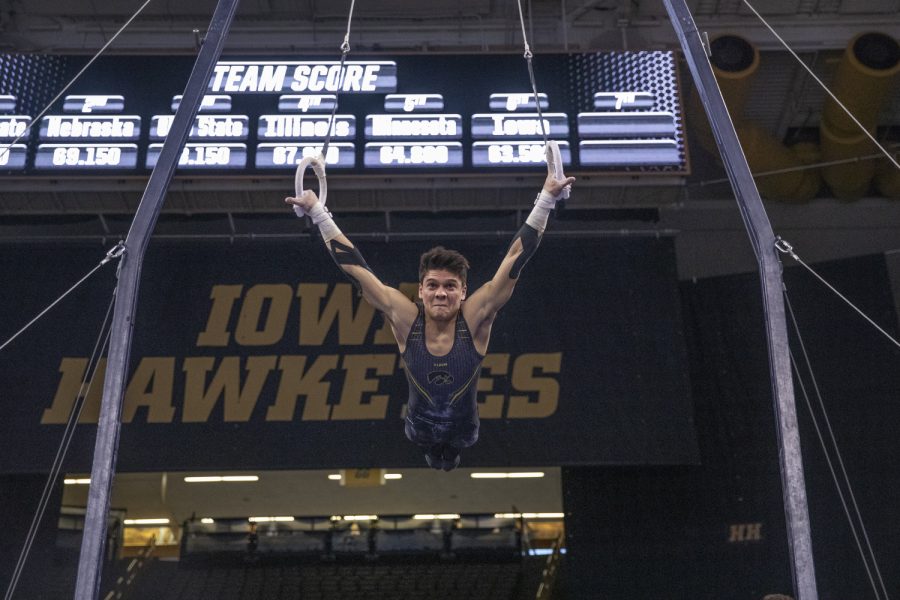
(295, 383)
(157, 374)
(336, 386)
(67, 391)
(247, 332)
(491, 405)
(745, 532)
(315, 324)
(356, 383)
(524, 380)
(216, 332)
(239, 400)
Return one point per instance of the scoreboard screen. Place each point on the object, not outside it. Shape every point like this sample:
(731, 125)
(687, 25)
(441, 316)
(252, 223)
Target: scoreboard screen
(609, 112)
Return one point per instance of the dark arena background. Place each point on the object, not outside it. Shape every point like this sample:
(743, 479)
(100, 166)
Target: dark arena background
(634, 425)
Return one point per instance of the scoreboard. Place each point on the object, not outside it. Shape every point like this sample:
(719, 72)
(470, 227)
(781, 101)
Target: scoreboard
(609, 112)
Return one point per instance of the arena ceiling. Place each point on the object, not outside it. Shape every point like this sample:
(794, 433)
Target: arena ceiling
(439, 25)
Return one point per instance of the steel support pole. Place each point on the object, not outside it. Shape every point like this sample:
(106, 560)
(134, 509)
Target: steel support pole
(90, 561)
(762, 239)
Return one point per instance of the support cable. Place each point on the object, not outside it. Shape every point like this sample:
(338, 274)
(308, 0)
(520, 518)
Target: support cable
(809, 167)
(345, 50)
(552, 153)
(115, 252)
(318, 162)
(884, 151)
(528, 56)
(785, 248)
(68, 433)
(837, 452)
(6, 148)
(762, 239)
(109, 422)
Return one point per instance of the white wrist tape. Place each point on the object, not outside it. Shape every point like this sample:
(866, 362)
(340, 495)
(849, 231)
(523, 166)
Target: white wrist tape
(321, 217)
(546, 199)
(541, 211)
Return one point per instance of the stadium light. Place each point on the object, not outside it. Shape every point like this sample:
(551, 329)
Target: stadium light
(541, 515)
(220, 478)
(522, 475)
(162, 521)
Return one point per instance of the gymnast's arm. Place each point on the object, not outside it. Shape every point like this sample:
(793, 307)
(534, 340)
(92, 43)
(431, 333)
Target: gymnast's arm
(482, 306)
(399, 310)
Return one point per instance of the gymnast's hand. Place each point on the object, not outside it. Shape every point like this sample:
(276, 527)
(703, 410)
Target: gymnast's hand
(304, 203)
(554, 187)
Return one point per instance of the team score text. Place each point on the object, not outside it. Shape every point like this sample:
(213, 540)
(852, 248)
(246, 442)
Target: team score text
(205, 155)
(414, 155)
(292, 155)
(97, 156)
(515, 153)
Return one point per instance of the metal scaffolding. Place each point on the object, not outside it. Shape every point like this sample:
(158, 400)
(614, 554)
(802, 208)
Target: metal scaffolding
(763, 240)
(90, 561)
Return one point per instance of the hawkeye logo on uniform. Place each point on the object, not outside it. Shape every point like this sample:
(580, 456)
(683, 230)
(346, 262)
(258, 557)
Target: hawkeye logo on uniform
(440, 378)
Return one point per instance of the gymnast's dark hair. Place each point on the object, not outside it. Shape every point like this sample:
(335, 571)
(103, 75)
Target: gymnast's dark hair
(439, 258)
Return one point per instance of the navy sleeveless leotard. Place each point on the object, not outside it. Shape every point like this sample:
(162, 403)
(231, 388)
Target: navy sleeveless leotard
(442, 406)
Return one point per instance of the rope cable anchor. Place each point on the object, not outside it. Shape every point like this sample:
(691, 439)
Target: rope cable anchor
(784, 247)
(115, 252)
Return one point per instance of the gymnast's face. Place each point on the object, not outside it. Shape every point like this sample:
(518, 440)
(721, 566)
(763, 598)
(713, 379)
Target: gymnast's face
(441, 292)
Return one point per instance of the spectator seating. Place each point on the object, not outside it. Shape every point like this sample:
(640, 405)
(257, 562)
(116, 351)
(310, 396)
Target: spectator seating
(334, 537)
(330, 581)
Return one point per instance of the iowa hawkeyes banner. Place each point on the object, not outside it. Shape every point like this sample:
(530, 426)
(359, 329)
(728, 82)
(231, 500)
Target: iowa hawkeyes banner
(261, 355)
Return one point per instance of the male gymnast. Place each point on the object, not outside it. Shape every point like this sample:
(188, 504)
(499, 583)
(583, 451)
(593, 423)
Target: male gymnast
(444, 337)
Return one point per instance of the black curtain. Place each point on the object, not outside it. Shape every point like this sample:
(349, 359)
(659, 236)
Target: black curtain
(718, 530)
